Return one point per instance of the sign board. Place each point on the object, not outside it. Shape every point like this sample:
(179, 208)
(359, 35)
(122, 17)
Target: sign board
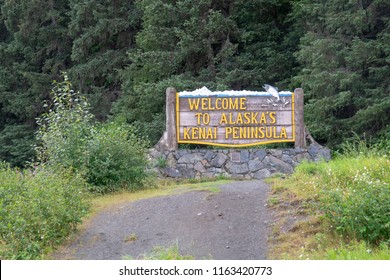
(234, 118)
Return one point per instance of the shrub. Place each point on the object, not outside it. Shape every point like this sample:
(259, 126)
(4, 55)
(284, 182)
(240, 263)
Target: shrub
(65, 129)
(353, 192)
(109, 156)
(357, 199)
(116, 158)
(38, 210)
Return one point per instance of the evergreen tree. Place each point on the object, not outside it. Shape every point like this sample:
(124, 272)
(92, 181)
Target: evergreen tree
(102, 32)
(267, 39)
(345, 56)
(34, 48)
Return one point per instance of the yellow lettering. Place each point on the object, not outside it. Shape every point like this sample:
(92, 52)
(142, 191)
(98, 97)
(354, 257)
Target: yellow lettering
(239, 118)
(225, 104)
(202, 133)
(247, 118)
(254, 118)
(198, 115)
(272, 116)
(185, 133)
(261, 130)
(194, 133)
(231, 119)
(235, 133)
(242, 103)
(263, 119)
(218, 101)
(194, 103)
(209, 133)
(223, 119)
(243, 133)
(283, 133)
(204, 104)
(233, 105)
(228, 131)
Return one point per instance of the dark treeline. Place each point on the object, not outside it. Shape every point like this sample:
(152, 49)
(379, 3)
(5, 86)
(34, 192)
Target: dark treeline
(123, 54)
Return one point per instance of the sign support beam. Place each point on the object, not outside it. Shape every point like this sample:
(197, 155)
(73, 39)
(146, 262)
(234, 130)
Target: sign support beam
(171, 140)
(299, 119)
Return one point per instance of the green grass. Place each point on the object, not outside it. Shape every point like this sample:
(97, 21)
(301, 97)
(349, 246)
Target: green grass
(343, 205)
(163, 253)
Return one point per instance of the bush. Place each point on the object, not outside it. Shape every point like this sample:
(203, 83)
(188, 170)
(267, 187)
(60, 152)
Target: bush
(38, 210)
(116, 159)
(357, 199)
(353, 191)
(65, 129)
(109, 156)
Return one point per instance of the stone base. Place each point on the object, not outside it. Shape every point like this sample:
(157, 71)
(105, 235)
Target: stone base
(235, 163)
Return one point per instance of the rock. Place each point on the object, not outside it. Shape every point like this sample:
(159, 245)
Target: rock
(255, 165)
(280, 165)
(303, 156)
(319, 153)
(170, 172)
(154, 153)
(261, 174)
(188, 173)
(190, 158)
(237, 176)
(237, 168)
(260, 154)
(209, 155)
(171, 160)
(313, 150)
(208, 174)
(325, 154)
(287, 158)
(199, 167)
(219, 160)
(244, 155)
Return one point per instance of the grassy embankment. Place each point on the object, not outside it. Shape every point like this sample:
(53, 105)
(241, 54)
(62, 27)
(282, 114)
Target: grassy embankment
(334, 210)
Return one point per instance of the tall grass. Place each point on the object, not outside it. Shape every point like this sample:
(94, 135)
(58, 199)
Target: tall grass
(38, 209)
(353, 192)
(351, 195)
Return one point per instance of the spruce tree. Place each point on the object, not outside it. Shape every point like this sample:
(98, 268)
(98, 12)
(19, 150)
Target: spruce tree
(34, 49)
(345, 56)
(103, 32)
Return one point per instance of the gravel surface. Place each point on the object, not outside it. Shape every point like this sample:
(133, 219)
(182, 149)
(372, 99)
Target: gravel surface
(230, 224)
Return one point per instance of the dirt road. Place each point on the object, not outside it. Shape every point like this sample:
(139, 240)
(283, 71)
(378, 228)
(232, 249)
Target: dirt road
(230, 224)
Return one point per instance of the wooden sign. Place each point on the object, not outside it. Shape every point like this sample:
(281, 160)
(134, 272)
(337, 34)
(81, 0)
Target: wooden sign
(234, 118)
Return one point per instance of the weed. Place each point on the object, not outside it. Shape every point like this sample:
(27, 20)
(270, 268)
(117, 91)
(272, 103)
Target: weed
(164, 253)
(350, 195)
(130, 238)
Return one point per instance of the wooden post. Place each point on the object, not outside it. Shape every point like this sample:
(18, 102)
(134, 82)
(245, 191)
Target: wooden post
(171, 143)
(299, 120)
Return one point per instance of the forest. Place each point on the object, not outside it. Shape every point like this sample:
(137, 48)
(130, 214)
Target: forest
(122, 55)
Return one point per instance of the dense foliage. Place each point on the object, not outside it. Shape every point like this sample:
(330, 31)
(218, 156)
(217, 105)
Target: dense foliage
(38, 210)
(353, 191)
(116, 159)
(109, 156)
(128, 52)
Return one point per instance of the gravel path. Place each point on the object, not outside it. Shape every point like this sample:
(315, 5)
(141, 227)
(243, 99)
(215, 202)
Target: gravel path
(230, 224)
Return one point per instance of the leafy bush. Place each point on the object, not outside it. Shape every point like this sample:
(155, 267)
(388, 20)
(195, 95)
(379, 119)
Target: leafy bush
(353, 192)
(65, 129)
(38, 210)
(116, 158)
(109, 156)
(357, 202)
